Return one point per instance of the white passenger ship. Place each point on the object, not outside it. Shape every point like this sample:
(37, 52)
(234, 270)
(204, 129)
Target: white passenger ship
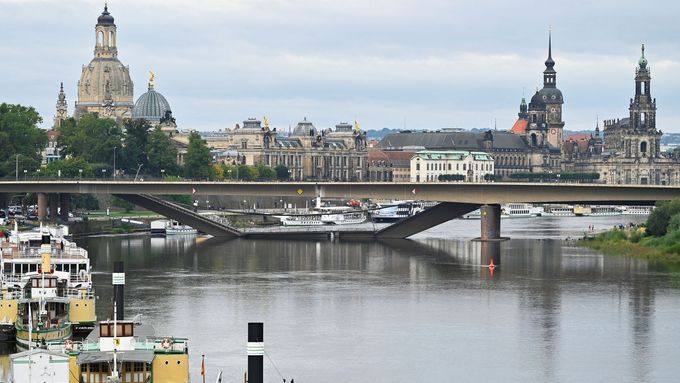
(337, 215)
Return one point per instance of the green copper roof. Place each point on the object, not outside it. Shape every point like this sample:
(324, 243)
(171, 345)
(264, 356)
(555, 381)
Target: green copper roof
(643, 60)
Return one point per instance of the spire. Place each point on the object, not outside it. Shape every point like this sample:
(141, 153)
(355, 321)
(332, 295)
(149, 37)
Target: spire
(643, 60)
(62, 108)
(549, 63)
(549, 74)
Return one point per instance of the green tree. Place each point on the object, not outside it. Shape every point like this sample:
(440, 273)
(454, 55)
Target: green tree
(282, 172)
(69, 168)
(123, 204)
(84, 201)
(20, 135)
(658, 220)
(136, 139)
(247, 173)
(90, 137)
(265, 172)
(161, 154)
(198, 161)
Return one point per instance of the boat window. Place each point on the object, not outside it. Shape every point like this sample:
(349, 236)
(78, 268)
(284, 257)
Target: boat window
(104, 330)
(128, 330)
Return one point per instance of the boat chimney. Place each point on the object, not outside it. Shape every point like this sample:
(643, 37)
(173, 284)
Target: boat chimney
(46, 251)
(255, 352)
(118, 289)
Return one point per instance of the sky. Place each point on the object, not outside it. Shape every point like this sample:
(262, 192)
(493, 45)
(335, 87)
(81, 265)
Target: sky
(414, 64)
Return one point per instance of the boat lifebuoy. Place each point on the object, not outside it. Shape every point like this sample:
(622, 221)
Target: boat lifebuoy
(166, 343)
(68, 345)
(82, 274)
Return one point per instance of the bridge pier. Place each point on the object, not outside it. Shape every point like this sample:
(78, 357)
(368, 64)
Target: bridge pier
(64, 206)
(54, 204)
(490, 222)
(42, 206)
(490, 250)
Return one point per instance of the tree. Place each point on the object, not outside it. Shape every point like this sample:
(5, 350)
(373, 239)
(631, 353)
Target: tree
(198, 161)
(69, 168)
(20, 135)
(136, 139)
(247, 173)
(282, 172)
(218, 171)
(90, 137)
(658, 220)
(161, 154)
(265, 172)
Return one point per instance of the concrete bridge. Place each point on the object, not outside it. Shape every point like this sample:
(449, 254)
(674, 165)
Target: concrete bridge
(455, 199)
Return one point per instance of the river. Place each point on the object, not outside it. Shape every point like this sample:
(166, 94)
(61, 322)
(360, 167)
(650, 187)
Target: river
(422, 310)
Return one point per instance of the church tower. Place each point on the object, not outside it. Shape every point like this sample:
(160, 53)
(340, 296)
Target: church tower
(645, 139)
(553, 100)
(105, 86)
(62, 108)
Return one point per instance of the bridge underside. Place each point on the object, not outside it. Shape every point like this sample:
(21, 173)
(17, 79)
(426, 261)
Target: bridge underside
(182, 215)
(426, 219)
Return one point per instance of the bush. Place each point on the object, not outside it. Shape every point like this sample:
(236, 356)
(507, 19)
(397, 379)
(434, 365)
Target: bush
(659, 219)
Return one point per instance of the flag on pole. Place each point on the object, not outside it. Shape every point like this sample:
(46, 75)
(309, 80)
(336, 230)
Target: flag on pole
(203, 367)
(193, 191)
(357, 126)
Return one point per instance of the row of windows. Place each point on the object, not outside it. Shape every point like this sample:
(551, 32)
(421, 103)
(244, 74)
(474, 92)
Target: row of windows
(441, 166)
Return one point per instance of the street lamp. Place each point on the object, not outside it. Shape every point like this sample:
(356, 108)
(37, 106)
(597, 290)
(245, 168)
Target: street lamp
(163, 173)
(37, 173)
(25, 174)
(80, 174)
(290, 174)
(229, 172)
(103, 173)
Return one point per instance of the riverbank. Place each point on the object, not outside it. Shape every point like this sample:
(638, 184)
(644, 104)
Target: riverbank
(632, 242)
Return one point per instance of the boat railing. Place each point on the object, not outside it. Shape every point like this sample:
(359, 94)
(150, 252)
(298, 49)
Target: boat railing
(79, 293)
(12, 295)
(34, 252)
(165, 344)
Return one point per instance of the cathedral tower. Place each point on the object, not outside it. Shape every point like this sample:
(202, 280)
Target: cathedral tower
(552, 97)
(62, 108)
(105, 86)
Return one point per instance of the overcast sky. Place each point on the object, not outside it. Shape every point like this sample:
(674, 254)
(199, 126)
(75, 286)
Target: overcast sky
(419, 64)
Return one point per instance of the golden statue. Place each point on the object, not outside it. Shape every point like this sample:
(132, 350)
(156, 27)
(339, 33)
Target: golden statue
(266, 122)
(151, 78)
(357, 126)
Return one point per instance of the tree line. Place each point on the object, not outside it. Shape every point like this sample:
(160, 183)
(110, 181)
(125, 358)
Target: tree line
(90, 147)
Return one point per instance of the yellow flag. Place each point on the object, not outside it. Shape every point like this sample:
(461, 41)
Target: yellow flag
(356, 125)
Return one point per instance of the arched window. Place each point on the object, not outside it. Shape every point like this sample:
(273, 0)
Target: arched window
(100, 38)
(112, 40)
(534, 140)
(643, 147)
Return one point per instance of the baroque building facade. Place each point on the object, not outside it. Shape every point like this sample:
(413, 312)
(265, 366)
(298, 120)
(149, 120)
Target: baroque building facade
(630, 152)
(105, 86)
(338, 154)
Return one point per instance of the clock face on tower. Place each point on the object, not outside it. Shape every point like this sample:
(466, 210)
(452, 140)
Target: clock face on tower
(553, 131)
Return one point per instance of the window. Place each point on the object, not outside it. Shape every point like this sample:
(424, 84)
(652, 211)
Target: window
(417, 165)
(464, 167)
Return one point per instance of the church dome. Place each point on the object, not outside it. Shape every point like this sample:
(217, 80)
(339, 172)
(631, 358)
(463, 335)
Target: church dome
(304, 128)
(550, 96)
(151, 106)
(105, 18)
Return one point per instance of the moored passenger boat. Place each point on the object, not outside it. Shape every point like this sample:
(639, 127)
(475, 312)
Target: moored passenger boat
(22, 260)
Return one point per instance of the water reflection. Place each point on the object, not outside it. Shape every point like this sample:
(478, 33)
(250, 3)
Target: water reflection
(425, 310)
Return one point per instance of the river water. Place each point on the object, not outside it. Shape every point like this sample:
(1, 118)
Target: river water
(422, 310)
